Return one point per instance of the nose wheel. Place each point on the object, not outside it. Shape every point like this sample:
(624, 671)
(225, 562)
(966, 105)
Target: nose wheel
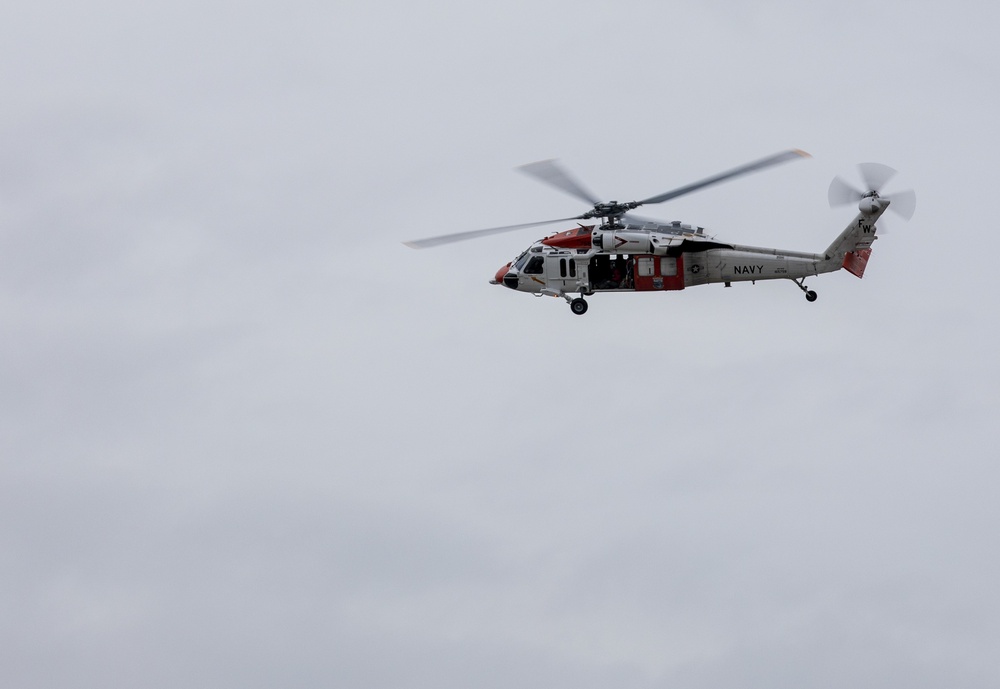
(810, 295)
(578, 306)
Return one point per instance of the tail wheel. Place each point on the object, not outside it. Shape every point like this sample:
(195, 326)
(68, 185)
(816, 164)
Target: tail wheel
(811, 296)
(578, 306)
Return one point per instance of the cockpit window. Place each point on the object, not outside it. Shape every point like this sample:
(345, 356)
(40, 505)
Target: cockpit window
(520, 261)
(534, 266)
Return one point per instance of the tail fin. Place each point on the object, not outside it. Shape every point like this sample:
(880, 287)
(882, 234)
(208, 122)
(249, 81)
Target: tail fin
(852, 248)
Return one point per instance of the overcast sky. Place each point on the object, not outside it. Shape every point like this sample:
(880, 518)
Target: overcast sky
(249, 439)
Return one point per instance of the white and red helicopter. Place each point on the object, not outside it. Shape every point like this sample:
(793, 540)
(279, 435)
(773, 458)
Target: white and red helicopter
(626, 253)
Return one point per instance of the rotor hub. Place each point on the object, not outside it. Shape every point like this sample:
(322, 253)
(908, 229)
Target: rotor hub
(611, 209)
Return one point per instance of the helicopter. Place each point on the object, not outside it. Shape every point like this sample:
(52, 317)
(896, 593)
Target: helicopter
(626, 253)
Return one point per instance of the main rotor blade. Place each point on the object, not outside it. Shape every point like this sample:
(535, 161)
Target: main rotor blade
(473, 234)
(735, 172)
(875, 175)
(548, 171)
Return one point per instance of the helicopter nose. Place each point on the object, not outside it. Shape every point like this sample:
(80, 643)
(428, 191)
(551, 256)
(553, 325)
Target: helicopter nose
(498, 278)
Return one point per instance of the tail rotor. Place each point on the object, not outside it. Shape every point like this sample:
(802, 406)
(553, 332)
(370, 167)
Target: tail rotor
(874, 176)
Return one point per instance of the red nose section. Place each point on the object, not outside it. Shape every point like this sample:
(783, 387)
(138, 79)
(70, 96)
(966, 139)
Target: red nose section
(571, 239)
(498, 278)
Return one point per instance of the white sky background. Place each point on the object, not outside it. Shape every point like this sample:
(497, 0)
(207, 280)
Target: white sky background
(249, 439)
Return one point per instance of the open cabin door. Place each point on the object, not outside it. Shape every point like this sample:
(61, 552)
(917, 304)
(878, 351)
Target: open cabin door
(659, 273)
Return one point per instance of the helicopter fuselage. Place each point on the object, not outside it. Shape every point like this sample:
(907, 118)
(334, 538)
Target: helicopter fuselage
(547, 270)
(662, 263)
(672, 257)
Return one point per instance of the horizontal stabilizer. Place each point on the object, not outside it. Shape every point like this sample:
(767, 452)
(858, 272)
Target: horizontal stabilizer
(856, 261)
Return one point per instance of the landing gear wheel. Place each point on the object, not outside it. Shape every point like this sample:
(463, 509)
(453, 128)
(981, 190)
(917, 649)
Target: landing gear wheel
(578, 306)
(811, 296)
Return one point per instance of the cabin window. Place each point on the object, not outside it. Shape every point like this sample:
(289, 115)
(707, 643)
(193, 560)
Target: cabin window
(647, 267)
(564, 271)
(535, 265)
(668, 267)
